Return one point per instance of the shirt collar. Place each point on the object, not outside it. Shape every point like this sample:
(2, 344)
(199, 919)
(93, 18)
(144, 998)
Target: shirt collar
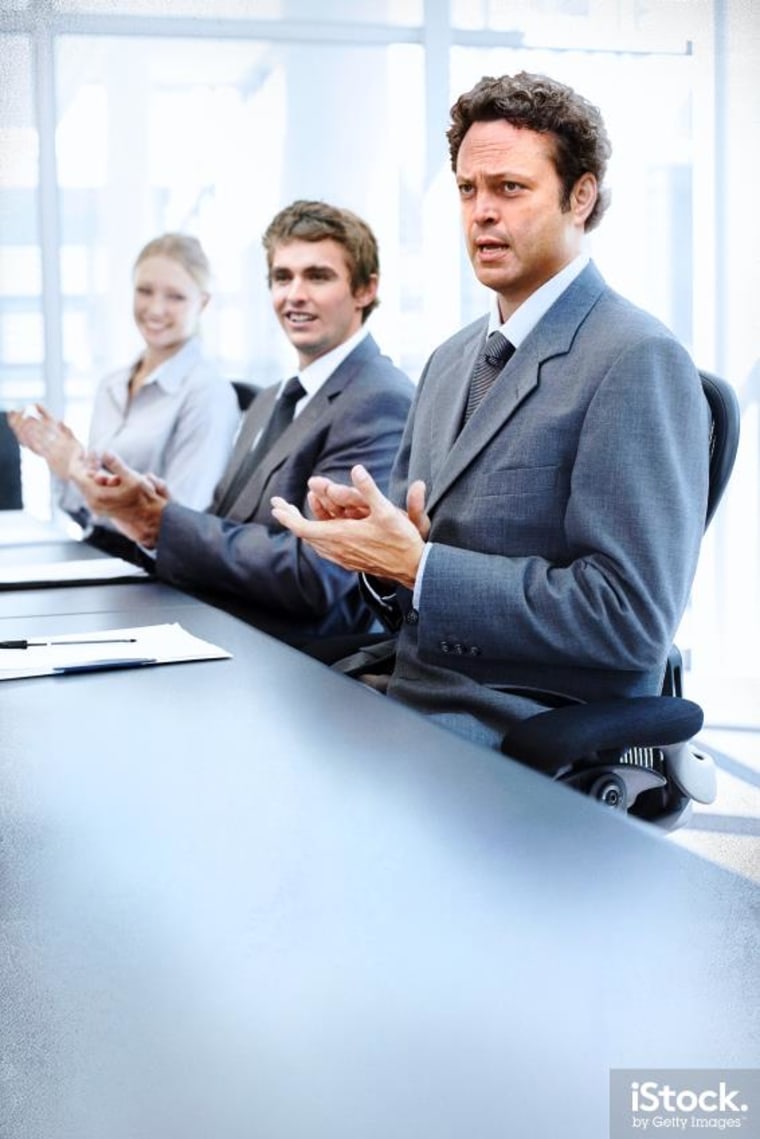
(315, 374)
(171, 373)
(524, 319)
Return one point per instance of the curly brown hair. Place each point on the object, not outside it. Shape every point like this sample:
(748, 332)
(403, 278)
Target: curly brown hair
(541, 104)
(318, 221)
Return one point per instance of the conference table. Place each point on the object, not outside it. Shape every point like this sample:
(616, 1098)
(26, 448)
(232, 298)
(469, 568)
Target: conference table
(251, 899)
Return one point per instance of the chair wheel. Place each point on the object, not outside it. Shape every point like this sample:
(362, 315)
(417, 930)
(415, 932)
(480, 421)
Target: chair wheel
(610, 790)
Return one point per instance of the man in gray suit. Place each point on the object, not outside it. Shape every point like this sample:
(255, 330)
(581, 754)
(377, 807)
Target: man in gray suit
(347, 405)
(552, 520)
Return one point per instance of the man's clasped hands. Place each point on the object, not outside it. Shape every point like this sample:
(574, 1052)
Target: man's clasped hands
(359, 528)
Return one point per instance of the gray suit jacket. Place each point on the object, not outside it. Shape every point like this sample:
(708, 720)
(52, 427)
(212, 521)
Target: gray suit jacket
(566, 516)
(246, 561)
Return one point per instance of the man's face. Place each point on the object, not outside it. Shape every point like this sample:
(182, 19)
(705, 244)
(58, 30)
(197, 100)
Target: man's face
(517, 234)
(310, 284)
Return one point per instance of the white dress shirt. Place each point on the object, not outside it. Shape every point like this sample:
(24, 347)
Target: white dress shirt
(316, 374)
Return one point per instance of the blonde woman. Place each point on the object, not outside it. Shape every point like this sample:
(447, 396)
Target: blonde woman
(169, 412)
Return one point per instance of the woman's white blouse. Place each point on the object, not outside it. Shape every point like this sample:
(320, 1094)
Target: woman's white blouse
(180, 426)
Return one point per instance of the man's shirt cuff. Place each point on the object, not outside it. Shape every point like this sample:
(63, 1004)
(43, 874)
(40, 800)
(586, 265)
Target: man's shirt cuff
(420, 572)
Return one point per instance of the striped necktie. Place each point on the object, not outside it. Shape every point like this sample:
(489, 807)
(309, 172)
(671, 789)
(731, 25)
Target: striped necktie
(492, 359)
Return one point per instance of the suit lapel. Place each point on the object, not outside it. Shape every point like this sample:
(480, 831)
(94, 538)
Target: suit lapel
(253, 422)
(317, 409)
(513, 384)
(552, 336)
(450, 394)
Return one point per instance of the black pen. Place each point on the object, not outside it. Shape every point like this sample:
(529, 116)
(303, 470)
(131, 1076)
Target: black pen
(22, 644)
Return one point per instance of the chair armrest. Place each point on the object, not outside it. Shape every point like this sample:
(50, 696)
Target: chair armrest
(560, 736)
(672, 684)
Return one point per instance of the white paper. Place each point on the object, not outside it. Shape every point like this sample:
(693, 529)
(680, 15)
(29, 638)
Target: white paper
(78, 570)
(154, 644)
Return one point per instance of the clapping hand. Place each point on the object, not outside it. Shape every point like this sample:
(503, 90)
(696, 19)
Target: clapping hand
(134, 502)
(49, 438)
(359, 528)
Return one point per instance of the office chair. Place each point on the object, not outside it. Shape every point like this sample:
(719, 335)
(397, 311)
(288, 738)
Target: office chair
(637, 754)
(10, 467)
(245, 392)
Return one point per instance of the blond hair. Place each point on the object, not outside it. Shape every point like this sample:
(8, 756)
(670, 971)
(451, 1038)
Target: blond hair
(187, 251)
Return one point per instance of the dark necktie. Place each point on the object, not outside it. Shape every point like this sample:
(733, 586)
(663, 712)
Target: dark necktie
(492, 359)
(282, 414)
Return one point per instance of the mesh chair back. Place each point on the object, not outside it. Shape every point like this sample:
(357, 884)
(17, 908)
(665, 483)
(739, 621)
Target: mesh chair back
(245, 392)
(724, 436)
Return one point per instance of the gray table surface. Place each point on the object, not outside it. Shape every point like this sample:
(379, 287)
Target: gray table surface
(16, 605)
(50, 550)
(69, 599)
(250, 898)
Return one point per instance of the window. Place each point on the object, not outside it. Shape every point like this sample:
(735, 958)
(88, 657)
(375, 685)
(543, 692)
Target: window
(394, 12)
(210, 115)
(214, 138)
(21, 327)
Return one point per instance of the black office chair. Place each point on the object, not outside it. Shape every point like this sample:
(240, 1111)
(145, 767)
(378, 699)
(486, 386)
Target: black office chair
(245, 392)
(10, 467)
(637, 754)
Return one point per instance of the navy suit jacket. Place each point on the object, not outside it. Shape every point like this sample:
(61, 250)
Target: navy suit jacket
(252, 566)
(566, 515)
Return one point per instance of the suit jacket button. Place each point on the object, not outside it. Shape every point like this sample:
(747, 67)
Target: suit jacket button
(412, 617)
